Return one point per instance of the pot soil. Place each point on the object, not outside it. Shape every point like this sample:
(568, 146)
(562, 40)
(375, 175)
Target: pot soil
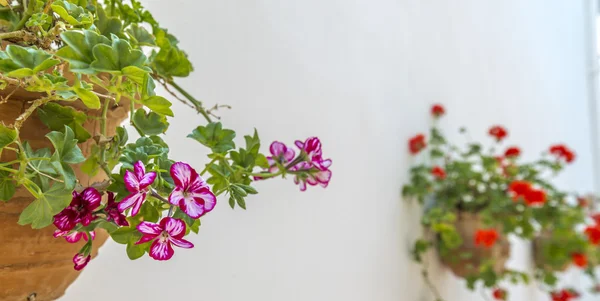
(463, 266)
(33, 264)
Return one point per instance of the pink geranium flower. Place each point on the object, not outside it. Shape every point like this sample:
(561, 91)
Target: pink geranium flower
(280, 154)
(137, 182)
(80, 261)
(74, 236)
(311, 177)
(113, 213)
(191, 192)
(169, 231)
(79, 211)
(312, 149)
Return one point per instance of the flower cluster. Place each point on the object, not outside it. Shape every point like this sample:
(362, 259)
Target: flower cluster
(309, 167)
(495, 192)
(135, 205)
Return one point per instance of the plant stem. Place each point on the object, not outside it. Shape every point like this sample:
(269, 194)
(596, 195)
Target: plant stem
(37, 103)
(103, 131)
(155, 194)
(195, 102)
(13, 34)
(26, 15)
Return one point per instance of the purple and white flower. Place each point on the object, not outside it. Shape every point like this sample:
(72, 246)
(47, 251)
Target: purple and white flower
(191, 192)
(79, 211)
(312, 149)
(113, 213)
(280, 154)
(169, 231)
(80, 261)
(74, 236)
(137, 182)
(311, 176)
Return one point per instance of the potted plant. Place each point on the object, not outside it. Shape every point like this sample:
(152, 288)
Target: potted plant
(475, 198)
(70, 72)
(570, 239)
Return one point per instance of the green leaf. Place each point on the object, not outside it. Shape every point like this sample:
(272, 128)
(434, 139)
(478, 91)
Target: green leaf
(79, 50)
(141, 36)
(65, 146)
(7, 186)
(25, 61)
(151, 123)
(170, 61)
(115, 58)
(107, 26)
(136, 251)
(149, 212)
(73, 14)
(195, 226)
(55, 117)
(41, 211)
(136, 74)
(7, 136)
(213, 136)
(179, 214)
(158, 104)
(88, 97)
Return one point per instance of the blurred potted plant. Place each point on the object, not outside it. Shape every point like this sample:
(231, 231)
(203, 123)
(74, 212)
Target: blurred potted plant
(70, 72)
(475, 199)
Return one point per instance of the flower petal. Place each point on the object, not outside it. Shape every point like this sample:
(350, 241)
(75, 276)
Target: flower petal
(139, 169)
(80, 261)
(191, 207)
(299, 144)
(147, 179)
(92, 198)
(138, 204)
(161, 250)
(175, 227)
(132, 183)
(176, 196)
(277, 148)
(131, 200)
(181, 174)
(289, 155)
(182, 243)
(323, 177)
(66, 219)
(75, 237)
(146, 238)
(149, 228)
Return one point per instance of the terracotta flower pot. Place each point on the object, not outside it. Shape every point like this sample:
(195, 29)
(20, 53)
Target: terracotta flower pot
(462, 266)
(33, 262)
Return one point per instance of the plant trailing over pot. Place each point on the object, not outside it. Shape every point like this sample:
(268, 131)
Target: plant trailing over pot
(71, 70)
(475, 198)
(570, 239)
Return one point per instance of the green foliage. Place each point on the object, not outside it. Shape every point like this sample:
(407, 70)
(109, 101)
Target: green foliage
(213, 136)
(79, 50)
(66, 152)
(7, 136)
(72, 13)
(8, 186)
(21, 62)
(118, 56)
(40, 212)
(56, 117)
(150, 123)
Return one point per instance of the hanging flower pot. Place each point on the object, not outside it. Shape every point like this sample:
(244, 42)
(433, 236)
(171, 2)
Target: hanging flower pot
(475, 197)
(481, 245)
(70, 73)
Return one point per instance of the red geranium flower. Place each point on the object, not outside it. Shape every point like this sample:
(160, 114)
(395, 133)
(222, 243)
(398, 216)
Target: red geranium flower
(498, 132)
(499, 294)
(564, 295)
(438, 172)
(437, 110)
(486, 238)
(561, 151)
(512, 152)
(593, 234)
(596, 218)
(519, 189)
(582, 202)
(579, 259)
(416, 144)
(535, 197)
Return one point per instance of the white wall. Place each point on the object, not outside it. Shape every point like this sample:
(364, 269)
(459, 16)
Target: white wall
(360, 74)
